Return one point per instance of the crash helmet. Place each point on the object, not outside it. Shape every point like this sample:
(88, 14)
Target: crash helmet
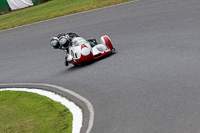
(61, 34)
(64, 41)
(54, 41)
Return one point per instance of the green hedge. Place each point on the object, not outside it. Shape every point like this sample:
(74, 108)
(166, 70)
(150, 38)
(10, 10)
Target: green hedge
(36, 2)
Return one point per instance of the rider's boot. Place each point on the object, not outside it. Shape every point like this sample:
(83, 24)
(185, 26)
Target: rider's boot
(66, 62)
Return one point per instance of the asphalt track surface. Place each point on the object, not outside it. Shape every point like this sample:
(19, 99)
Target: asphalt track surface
(152, 83)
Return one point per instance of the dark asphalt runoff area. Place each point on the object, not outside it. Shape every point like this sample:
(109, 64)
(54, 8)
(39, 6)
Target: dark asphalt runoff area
(152, 83)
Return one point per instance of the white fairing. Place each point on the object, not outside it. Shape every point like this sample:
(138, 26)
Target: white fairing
(79, 47)
(69, 57)
(85, 51)
(102, 41)
(100, 48)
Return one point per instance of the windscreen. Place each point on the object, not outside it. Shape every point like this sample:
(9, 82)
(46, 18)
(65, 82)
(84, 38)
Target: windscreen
(78, 41)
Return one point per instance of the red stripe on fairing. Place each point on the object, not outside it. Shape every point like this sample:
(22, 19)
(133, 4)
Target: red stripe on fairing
(84, 58)
(83, 46)
(101, 54)
(108, 42)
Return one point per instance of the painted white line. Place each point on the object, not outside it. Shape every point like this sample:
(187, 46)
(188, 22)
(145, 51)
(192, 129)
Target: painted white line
(74, 109)
(87, 102)
(74, 14)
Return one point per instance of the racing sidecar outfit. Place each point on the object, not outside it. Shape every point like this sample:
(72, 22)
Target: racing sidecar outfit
(78, 50)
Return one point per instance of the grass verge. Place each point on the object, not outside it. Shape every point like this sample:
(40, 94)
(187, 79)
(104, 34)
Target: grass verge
(51, 9)
(25, 112)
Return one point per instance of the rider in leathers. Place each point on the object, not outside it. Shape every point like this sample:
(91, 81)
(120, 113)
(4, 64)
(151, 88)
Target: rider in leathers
(56, 44)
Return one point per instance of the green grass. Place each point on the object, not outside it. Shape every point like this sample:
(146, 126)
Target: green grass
(51, 9)
(24, 112)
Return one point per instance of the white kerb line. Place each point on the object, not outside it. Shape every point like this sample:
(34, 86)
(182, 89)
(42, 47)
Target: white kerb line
(74, 109)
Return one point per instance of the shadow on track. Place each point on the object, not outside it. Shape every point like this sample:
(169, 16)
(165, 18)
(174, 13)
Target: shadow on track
(71, 69)
(88, 63)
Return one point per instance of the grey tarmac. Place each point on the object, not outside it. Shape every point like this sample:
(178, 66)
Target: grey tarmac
(151, 85)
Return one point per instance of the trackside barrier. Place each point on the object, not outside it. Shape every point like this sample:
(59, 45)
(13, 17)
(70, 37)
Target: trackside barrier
(4, 7)
(7, 5)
